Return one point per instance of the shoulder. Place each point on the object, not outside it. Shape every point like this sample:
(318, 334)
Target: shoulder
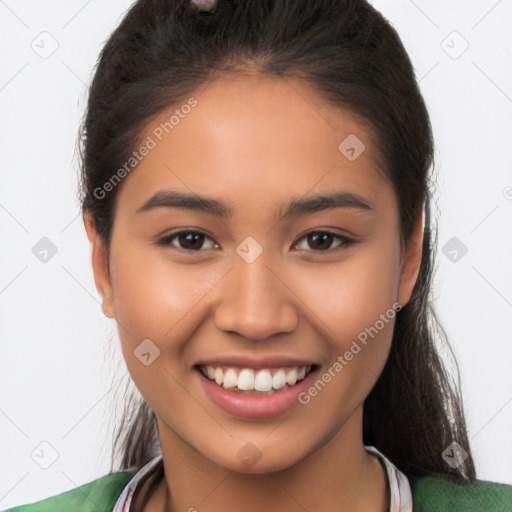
(437, 494)
(100, 495)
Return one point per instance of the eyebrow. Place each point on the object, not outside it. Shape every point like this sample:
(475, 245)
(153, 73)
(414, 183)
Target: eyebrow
(294, 208)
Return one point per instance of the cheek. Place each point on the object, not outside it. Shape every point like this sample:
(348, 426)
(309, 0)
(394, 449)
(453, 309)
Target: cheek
(162, 302)
(355, 308)
(349, 296)
(157, 299)
(363, 320)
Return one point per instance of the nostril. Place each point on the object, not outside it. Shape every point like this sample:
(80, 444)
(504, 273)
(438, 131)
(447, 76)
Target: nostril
(204, 6)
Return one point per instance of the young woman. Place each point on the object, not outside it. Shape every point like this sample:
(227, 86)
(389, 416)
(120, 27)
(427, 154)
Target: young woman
(255, 192)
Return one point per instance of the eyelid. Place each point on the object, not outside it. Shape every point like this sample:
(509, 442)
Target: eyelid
(165, 241)
(345, 241)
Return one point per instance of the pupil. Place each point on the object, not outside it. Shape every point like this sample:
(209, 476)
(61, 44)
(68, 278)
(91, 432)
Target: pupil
(194, 240)
(321, 237)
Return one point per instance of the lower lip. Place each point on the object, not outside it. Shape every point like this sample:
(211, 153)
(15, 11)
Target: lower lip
(255, 406)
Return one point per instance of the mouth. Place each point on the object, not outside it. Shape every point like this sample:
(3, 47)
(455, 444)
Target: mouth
(255, 381)
(256, 390)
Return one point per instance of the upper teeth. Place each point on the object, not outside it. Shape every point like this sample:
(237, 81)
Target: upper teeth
(248, 379)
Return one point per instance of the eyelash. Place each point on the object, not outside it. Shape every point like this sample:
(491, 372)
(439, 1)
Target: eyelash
(345, 242)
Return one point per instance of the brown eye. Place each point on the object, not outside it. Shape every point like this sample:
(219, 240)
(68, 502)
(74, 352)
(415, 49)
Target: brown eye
(191, 241)
(187, 240)
(323, 240)
(320, 241)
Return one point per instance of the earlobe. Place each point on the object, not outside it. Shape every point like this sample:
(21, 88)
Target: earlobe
(108, 308)
(411, 260)
(100, 266)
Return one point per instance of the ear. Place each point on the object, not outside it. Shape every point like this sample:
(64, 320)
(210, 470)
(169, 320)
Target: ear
(100, 266)
(411, 260)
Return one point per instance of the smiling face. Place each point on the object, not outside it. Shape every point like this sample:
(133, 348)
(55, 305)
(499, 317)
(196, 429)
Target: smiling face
(249, 272)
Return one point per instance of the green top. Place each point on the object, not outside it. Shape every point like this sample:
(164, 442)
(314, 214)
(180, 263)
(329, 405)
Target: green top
(430, 494)
(97, 496)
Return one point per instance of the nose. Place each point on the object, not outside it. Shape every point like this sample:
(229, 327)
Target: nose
(256, 301)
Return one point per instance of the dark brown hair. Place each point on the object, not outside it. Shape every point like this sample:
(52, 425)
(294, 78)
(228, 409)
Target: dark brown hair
(164, 50)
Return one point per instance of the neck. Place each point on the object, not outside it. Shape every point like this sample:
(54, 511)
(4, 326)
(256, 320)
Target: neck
(340, 475)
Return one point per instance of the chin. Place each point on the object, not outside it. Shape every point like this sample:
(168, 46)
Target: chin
(253, 461)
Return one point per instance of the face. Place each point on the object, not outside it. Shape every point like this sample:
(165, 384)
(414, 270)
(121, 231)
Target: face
(249, 281)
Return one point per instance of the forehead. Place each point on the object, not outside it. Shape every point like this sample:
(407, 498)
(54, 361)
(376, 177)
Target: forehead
(262, 137)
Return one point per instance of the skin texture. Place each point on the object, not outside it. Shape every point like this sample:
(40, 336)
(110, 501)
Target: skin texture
(254, 143)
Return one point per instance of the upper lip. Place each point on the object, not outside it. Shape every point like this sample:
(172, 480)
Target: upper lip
(247, 362)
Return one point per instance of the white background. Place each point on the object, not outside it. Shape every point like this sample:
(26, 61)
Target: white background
(56, 347)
